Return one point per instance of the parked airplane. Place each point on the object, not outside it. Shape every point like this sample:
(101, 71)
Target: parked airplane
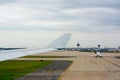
(58, 43)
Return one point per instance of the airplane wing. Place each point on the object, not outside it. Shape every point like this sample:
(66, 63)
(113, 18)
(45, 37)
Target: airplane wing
(58, 43)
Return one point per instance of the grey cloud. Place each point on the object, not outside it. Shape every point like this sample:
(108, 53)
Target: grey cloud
(91, 3)
(66, 4)
(6, 1)
(29, 13)
(52, 10)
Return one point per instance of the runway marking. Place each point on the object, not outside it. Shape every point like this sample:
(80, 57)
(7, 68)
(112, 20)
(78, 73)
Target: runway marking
(112, 63)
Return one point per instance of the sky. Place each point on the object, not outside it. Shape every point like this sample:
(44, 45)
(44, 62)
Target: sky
(35, 23)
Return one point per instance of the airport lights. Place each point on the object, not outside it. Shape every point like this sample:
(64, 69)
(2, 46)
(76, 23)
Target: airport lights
(99, 47)
(119, 48)
(78, 46)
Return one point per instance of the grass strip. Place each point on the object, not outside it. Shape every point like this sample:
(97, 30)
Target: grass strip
(10, 70)
(48, 57)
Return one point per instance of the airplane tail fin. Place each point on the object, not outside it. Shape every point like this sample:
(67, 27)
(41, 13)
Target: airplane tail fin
(61, 42)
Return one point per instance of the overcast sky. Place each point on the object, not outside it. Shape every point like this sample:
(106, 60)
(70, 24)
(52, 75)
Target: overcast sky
(35, 23)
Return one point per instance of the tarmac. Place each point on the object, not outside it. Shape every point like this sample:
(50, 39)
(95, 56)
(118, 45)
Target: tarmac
(49, 72)
(85, 65)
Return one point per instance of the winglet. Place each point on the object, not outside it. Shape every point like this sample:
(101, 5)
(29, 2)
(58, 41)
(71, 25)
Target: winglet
(61, 42)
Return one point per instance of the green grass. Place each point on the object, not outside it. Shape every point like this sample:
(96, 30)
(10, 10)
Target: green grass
(10, 70)
(41, 57)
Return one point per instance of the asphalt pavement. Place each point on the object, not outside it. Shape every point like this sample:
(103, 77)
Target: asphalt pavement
(85, 65)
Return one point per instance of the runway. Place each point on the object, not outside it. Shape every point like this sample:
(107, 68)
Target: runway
(87, 67)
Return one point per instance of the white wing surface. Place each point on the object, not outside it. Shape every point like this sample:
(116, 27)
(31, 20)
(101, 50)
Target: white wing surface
(58, 43)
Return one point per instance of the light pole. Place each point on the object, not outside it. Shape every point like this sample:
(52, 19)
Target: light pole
(99, 47)
(78, 46)
(119, 48)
